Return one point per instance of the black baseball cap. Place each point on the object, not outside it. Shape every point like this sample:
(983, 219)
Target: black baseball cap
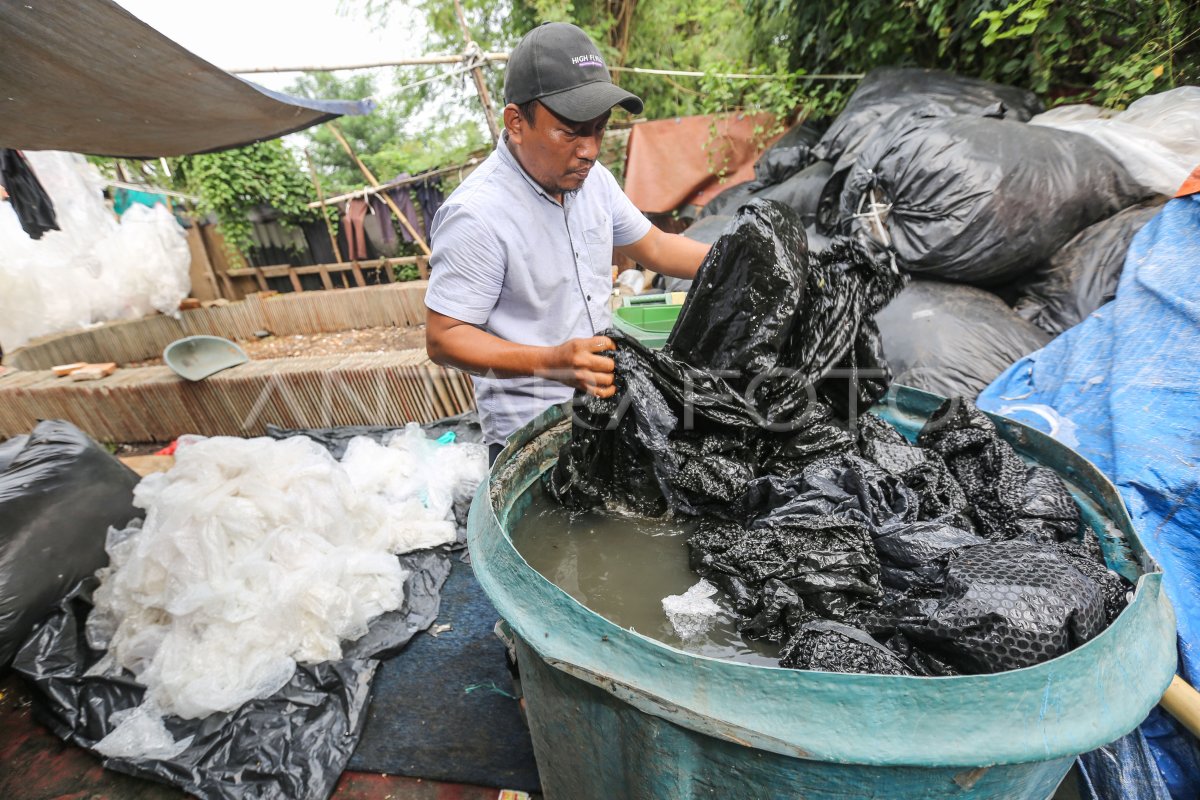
(559, 65)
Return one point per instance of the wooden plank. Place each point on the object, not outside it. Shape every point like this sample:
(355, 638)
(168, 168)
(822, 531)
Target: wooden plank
(145, 465)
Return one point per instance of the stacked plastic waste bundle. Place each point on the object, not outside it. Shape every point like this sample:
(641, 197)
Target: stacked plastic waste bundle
(1001, 210)
(94, 268)
(852, 548)
(257, 555)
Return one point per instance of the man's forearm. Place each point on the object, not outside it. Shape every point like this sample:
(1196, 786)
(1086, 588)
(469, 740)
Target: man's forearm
(577, 363)
(668, 253)
(478, 352)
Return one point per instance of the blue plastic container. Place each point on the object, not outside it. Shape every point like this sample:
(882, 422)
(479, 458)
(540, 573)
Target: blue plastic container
(615, 714)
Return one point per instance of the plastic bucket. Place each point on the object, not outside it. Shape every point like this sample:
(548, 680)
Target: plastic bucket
(617, 714)
(649, 318)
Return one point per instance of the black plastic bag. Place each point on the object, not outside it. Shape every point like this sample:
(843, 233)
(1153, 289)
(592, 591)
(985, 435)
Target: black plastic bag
(980, 200)
(923, 471)
(1008, 605)
(704, 229)
(775, 320)
(801, 191)
(787, 156)
(9, 449)
(292, 745)
(1083, 274)
(913, 557)
(884, 91)
(739, 385)
(833, 647)
(951, 339)
(29, 200)
(59, 494)
(709, 229)
(1009, 499)
(729, 199)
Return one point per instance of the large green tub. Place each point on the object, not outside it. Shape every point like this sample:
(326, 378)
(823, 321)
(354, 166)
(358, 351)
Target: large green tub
(615, 714)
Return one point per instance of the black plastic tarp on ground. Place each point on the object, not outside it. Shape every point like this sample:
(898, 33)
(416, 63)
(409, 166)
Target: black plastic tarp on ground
(89, 77)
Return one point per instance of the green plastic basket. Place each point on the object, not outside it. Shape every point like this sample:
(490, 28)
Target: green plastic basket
(647, 318)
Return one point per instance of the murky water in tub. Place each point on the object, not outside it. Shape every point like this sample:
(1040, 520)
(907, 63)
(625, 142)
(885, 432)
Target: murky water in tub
(622, 568)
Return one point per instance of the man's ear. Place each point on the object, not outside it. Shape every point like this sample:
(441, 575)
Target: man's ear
(514, 123)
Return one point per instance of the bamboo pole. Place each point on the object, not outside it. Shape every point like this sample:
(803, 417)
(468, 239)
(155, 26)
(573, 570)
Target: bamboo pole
(383, 187)
(371, 179)
(458, 59)
(1183, 703)
(471, 55)
(404, 62)
(312, 172)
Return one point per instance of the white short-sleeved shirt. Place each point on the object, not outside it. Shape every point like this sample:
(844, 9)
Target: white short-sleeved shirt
(512, 261)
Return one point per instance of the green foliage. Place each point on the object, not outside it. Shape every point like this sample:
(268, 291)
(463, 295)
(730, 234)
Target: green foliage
(232, 183)
(405, 272)
(391, 140)
(1107, 52)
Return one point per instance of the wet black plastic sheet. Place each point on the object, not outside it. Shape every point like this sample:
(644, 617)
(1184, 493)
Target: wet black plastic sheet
(1008, 605)
(884, 91)
(952, 340)
(868, 561)
(980, 200)
(59, 493)
(744, 383)
(853, 548)
(1083, 274)
(293, 744)
(1008, 499)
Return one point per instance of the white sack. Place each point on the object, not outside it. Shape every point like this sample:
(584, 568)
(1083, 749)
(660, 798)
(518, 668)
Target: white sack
(1157, 139)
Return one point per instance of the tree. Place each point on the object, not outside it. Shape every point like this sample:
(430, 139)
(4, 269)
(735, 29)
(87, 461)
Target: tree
(409, 131)
(232, 183)
(1107, 52)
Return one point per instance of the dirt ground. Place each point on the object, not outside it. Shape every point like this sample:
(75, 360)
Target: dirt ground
(365, 340)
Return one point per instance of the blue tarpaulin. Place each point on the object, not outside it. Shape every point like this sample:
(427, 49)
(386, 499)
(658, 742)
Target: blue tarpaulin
(87, 76)
(1123, 389)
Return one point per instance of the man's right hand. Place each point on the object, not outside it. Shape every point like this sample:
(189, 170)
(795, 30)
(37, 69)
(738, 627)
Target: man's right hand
(578, 363)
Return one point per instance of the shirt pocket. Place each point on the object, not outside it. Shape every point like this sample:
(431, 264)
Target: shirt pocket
(598, 241)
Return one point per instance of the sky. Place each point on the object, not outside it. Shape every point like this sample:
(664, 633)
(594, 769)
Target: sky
(249, 33)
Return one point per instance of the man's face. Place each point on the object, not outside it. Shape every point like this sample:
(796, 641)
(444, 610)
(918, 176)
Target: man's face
(557, 153)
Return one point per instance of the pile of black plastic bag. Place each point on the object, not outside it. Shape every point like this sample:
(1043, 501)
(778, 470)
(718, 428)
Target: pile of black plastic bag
(1013, 232)
(831, 534)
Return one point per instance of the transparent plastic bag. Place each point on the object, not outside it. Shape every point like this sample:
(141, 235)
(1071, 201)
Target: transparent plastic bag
(94, 268)
(1156, 139)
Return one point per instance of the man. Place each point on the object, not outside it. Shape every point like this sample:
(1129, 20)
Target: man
(521, 270)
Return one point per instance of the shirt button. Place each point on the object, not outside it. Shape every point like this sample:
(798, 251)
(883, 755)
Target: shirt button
(589, 297)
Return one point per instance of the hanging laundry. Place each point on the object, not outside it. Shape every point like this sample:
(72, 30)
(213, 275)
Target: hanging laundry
(124, 198)
(381, 228)
(25, 192)
(353, 223)
(402, 197)
(430, 198)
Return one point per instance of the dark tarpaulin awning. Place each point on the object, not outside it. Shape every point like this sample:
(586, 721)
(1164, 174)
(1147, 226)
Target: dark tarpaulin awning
(87, 76)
